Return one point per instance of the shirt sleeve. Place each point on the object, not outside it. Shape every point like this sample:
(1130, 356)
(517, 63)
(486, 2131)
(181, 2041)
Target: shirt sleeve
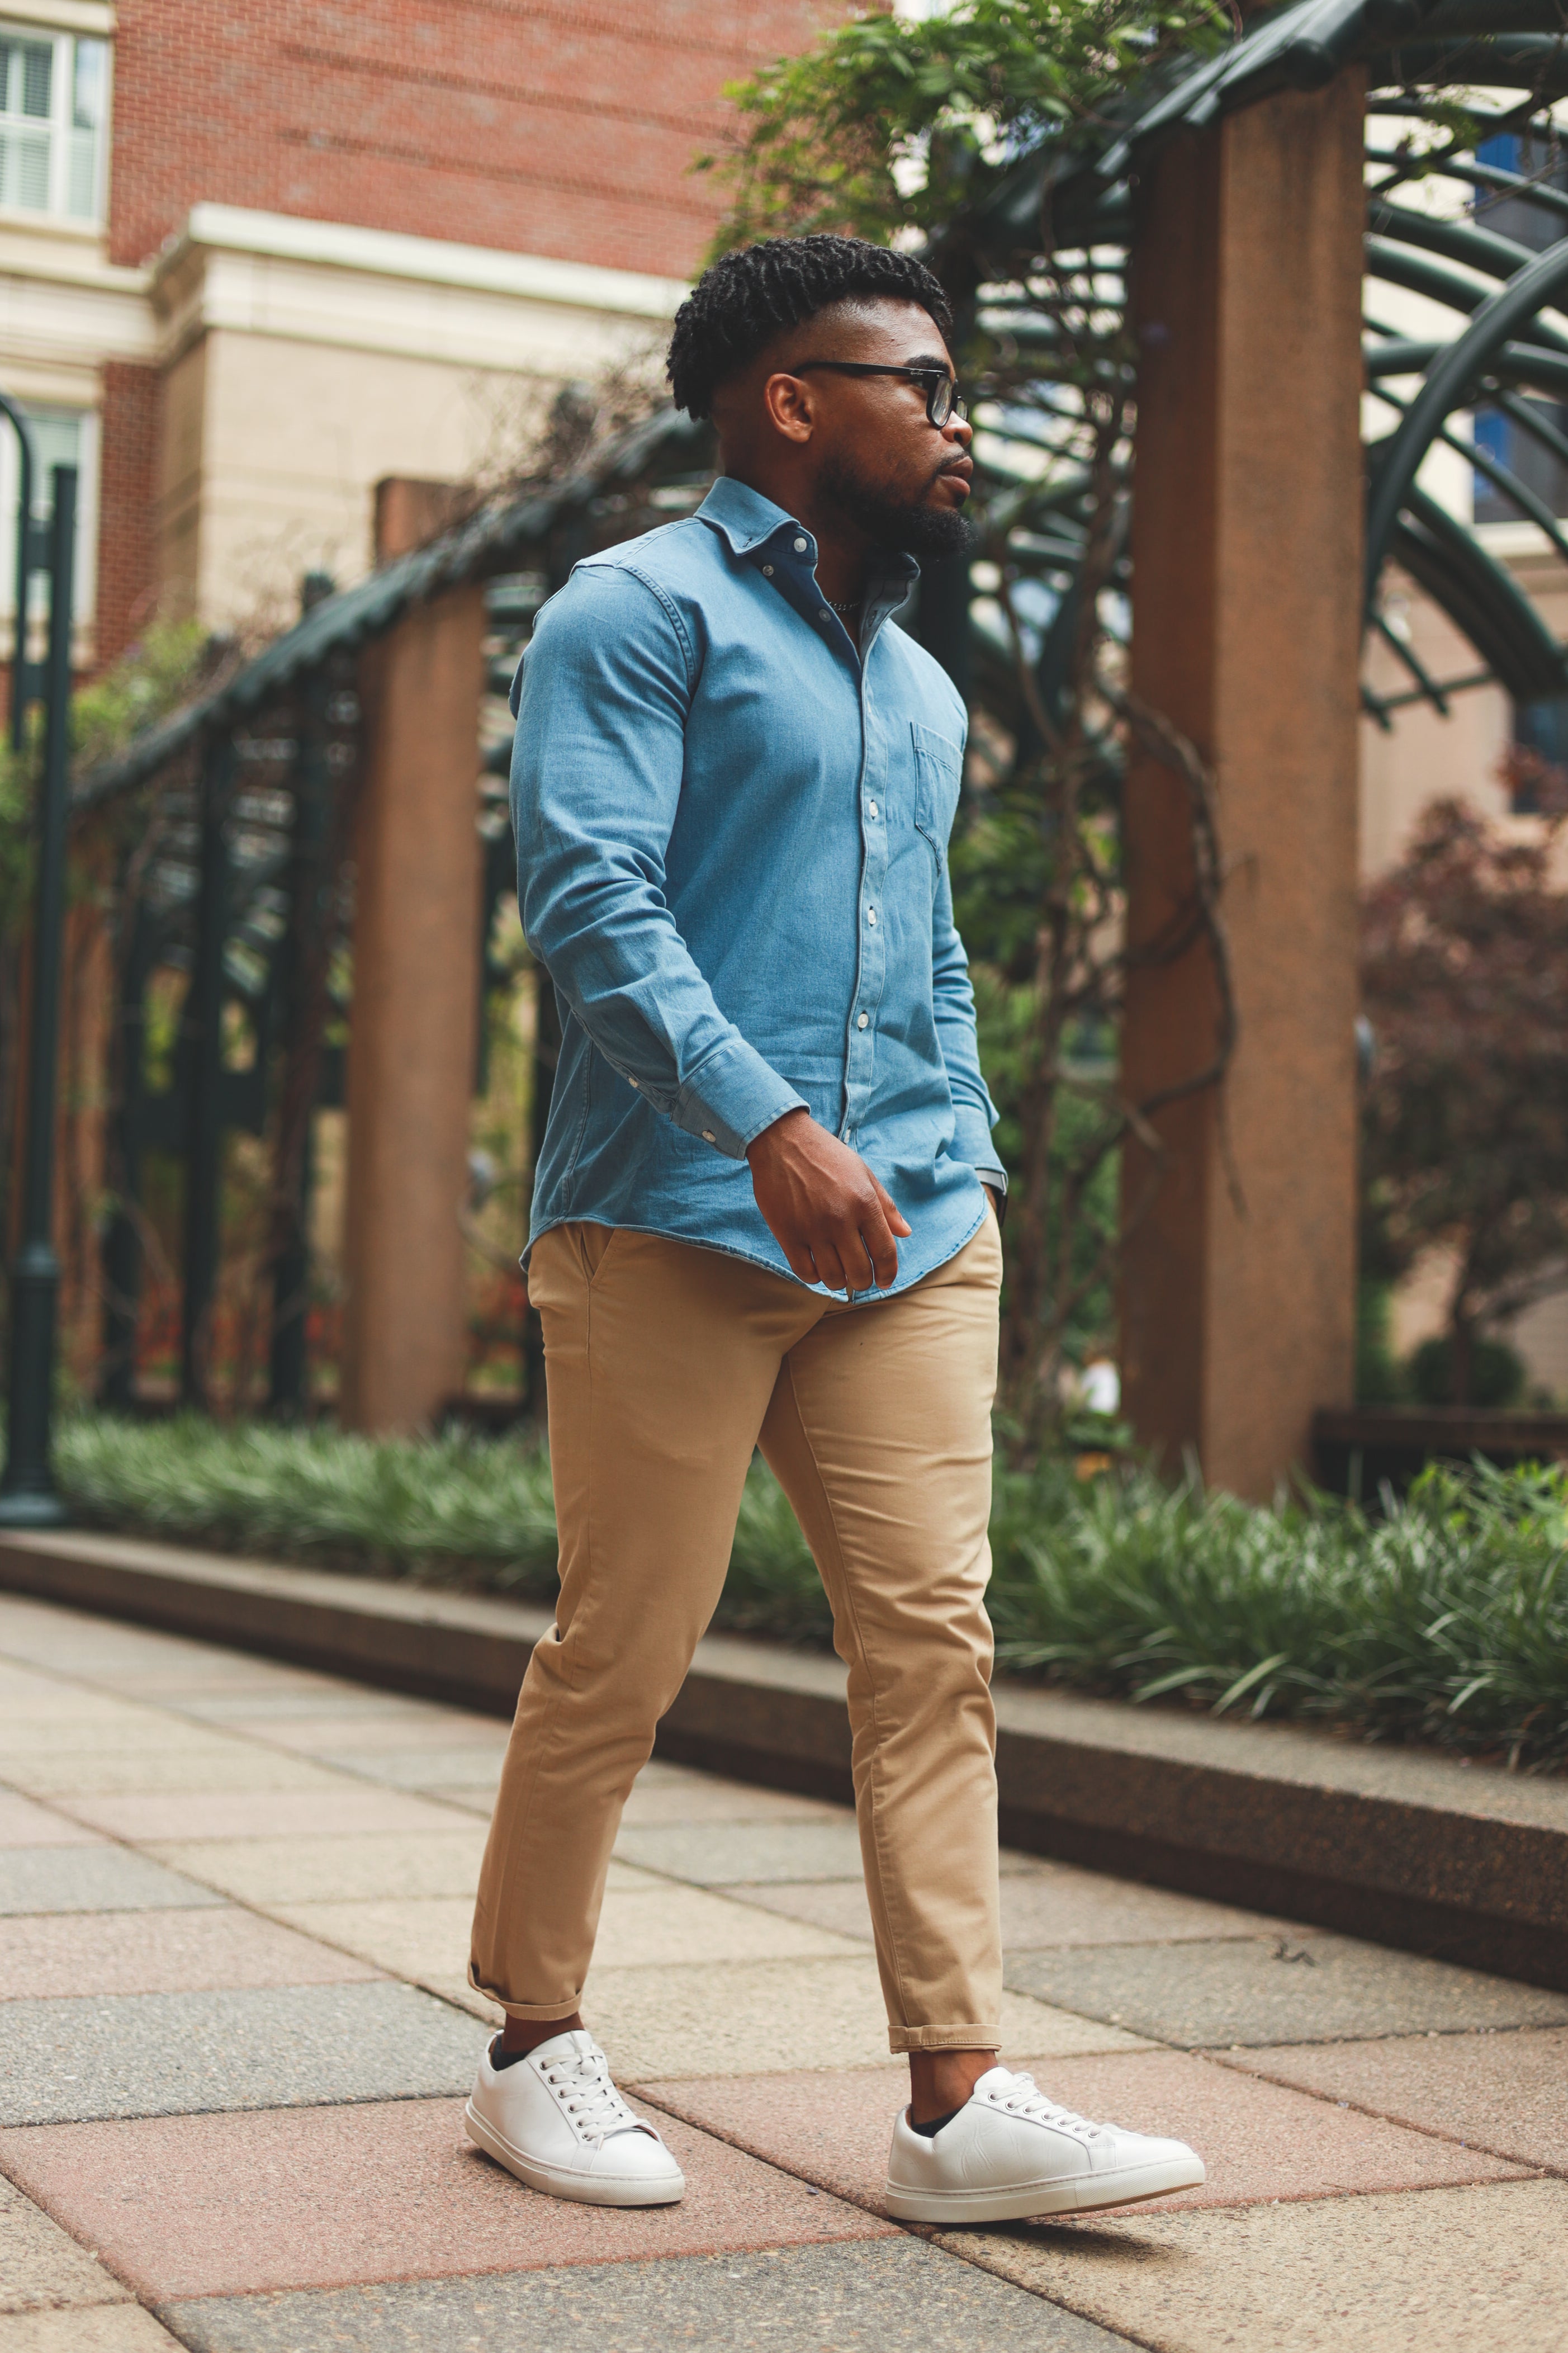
(953, 997)
(595, 783)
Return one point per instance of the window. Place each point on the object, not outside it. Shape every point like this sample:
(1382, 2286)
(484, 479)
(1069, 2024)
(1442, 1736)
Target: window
(54, 114)
(61, 437)
(1537, 458)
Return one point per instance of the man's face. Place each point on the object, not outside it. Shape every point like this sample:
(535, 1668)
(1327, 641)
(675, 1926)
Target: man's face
(902, 479)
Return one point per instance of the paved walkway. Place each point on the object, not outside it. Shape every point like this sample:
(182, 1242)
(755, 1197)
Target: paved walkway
(234, 2035)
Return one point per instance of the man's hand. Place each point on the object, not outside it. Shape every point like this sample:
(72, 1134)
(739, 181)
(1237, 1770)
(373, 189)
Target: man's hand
(832, 1219)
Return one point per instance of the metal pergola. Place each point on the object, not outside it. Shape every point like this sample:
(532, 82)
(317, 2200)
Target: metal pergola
(231, 816)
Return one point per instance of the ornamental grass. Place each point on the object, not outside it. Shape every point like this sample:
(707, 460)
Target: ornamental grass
(1442, 1619)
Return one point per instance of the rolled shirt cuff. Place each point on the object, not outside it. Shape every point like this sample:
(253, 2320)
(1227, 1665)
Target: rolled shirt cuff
(972, 1140)
(732, 1096)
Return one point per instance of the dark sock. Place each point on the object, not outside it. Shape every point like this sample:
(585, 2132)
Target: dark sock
(500, 2058)
(930, 2132)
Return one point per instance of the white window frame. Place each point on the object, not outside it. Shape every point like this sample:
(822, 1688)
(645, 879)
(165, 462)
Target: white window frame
(84, 587)
(59, 126)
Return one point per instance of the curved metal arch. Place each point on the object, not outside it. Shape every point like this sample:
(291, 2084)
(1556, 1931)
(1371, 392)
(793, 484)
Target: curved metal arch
(1451, 384)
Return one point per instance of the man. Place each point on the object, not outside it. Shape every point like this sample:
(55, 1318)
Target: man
(761, 1215)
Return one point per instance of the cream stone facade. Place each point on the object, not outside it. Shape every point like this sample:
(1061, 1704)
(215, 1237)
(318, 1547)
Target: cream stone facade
(304, 361)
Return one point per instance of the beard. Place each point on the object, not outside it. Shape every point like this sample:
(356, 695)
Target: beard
(898, 525)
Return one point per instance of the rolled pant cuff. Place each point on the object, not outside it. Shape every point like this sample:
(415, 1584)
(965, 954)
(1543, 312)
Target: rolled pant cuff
(903, 2039)
(541, 2010)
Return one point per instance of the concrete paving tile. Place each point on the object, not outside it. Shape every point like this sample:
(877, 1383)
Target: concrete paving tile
(383, 1863)
(372, 1732)
(833, 2128)
(55, 1957)
(762, 1852)
(24, 1822)
(318, 1696)
(1063, 1906)
(745, 2017)
(176, 2053)
(95, 1650)
(1507, 2092)
(41, 2265)
(14, 1678)
(471, 1768)
(90, 1879)
(666, 1924)
(736, 1854)
(837, 1904)
(866, 2297)
(134, 1732)
(429, 1940)
(448, 1986)
(423, 1940)
(237, 1764)
(105, 2328)
(1404, 2274)
(50, 1704)
(479, 1802)
(1312, 1989)
(701, 1799)
(342, 1809)
(323, 2197)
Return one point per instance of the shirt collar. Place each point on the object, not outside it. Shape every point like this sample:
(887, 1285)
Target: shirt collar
(748, 521)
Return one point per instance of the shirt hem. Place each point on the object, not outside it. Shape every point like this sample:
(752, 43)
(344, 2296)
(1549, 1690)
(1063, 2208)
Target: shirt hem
(754, 1258)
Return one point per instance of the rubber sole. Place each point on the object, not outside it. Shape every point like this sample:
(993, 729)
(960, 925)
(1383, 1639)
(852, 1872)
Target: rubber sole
(1084, 2196)
(582, 2189)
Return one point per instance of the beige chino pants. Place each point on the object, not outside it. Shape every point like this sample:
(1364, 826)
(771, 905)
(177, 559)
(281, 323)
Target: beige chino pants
(666, 1366)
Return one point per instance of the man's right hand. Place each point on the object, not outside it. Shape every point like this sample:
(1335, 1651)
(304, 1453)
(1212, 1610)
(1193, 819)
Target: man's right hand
(832, 1219)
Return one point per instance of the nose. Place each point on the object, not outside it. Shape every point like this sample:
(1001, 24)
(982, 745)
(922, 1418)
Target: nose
(959, 430)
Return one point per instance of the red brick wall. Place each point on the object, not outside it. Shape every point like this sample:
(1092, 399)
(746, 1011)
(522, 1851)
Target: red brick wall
(127, 550)
(555, 129)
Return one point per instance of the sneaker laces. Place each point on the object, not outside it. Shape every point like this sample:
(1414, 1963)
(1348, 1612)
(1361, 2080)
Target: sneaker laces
(583, 2088)
(1026, 2099)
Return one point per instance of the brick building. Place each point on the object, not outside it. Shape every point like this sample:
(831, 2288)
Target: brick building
(255, 256)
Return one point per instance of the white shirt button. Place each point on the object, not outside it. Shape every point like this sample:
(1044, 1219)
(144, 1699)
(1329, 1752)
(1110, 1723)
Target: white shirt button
(860, 1024)
(709, 1136)
(800, 546)
(767, 572)
(870, 914)
(871, 807)
(825, 614)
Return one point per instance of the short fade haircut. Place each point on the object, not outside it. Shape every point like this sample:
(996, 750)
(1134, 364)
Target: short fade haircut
(747, 298)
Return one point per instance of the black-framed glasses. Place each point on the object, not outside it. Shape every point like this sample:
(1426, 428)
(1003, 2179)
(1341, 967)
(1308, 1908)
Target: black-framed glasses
(940, 390)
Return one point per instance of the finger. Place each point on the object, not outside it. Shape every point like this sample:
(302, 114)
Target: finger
(878, 1243)
(897, 1221)
(854, 1254)
(799, 1257)
(830, 1265)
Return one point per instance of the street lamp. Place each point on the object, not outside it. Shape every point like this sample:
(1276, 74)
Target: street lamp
(28, 1497)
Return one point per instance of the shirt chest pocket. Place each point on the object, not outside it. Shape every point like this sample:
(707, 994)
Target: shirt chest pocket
(939, 773)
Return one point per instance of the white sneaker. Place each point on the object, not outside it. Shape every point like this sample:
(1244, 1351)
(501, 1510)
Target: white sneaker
(557, 2121)
(1010, 2152)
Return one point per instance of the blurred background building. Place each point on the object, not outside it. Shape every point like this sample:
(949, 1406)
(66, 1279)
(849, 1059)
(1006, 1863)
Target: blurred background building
(255, 258)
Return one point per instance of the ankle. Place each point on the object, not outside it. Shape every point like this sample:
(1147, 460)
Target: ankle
(941, 2081)
(519, 2036)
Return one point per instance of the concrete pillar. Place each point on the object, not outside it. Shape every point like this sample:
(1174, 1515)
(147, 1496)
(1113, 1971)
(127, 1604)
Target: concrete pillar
(416, 964)
(1237, 1320)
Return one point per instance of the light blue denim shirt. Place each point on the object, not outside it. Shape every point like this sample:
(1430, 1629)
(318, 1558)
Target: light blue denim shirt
(731, 828)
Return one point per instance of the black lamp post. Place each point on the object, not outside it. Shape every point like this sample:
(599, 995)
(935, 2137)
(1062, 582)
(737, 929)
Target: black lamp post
(29, 1498)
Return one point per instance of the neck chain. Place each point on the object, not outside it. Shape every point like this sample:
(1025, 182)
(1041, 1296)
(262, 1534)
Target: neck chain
(850, 605)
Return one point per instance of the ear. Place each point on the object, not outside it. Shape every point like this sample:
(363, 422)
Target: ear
(789, 405)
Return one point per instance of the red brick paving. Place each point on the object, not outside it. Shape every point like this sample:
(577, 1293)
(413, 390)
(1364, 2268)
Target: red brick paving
(294, 2198)
(1269, 2143)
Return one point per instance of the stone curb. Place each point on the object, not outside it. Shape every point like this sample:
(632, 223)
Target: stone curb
(1413, 1850)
